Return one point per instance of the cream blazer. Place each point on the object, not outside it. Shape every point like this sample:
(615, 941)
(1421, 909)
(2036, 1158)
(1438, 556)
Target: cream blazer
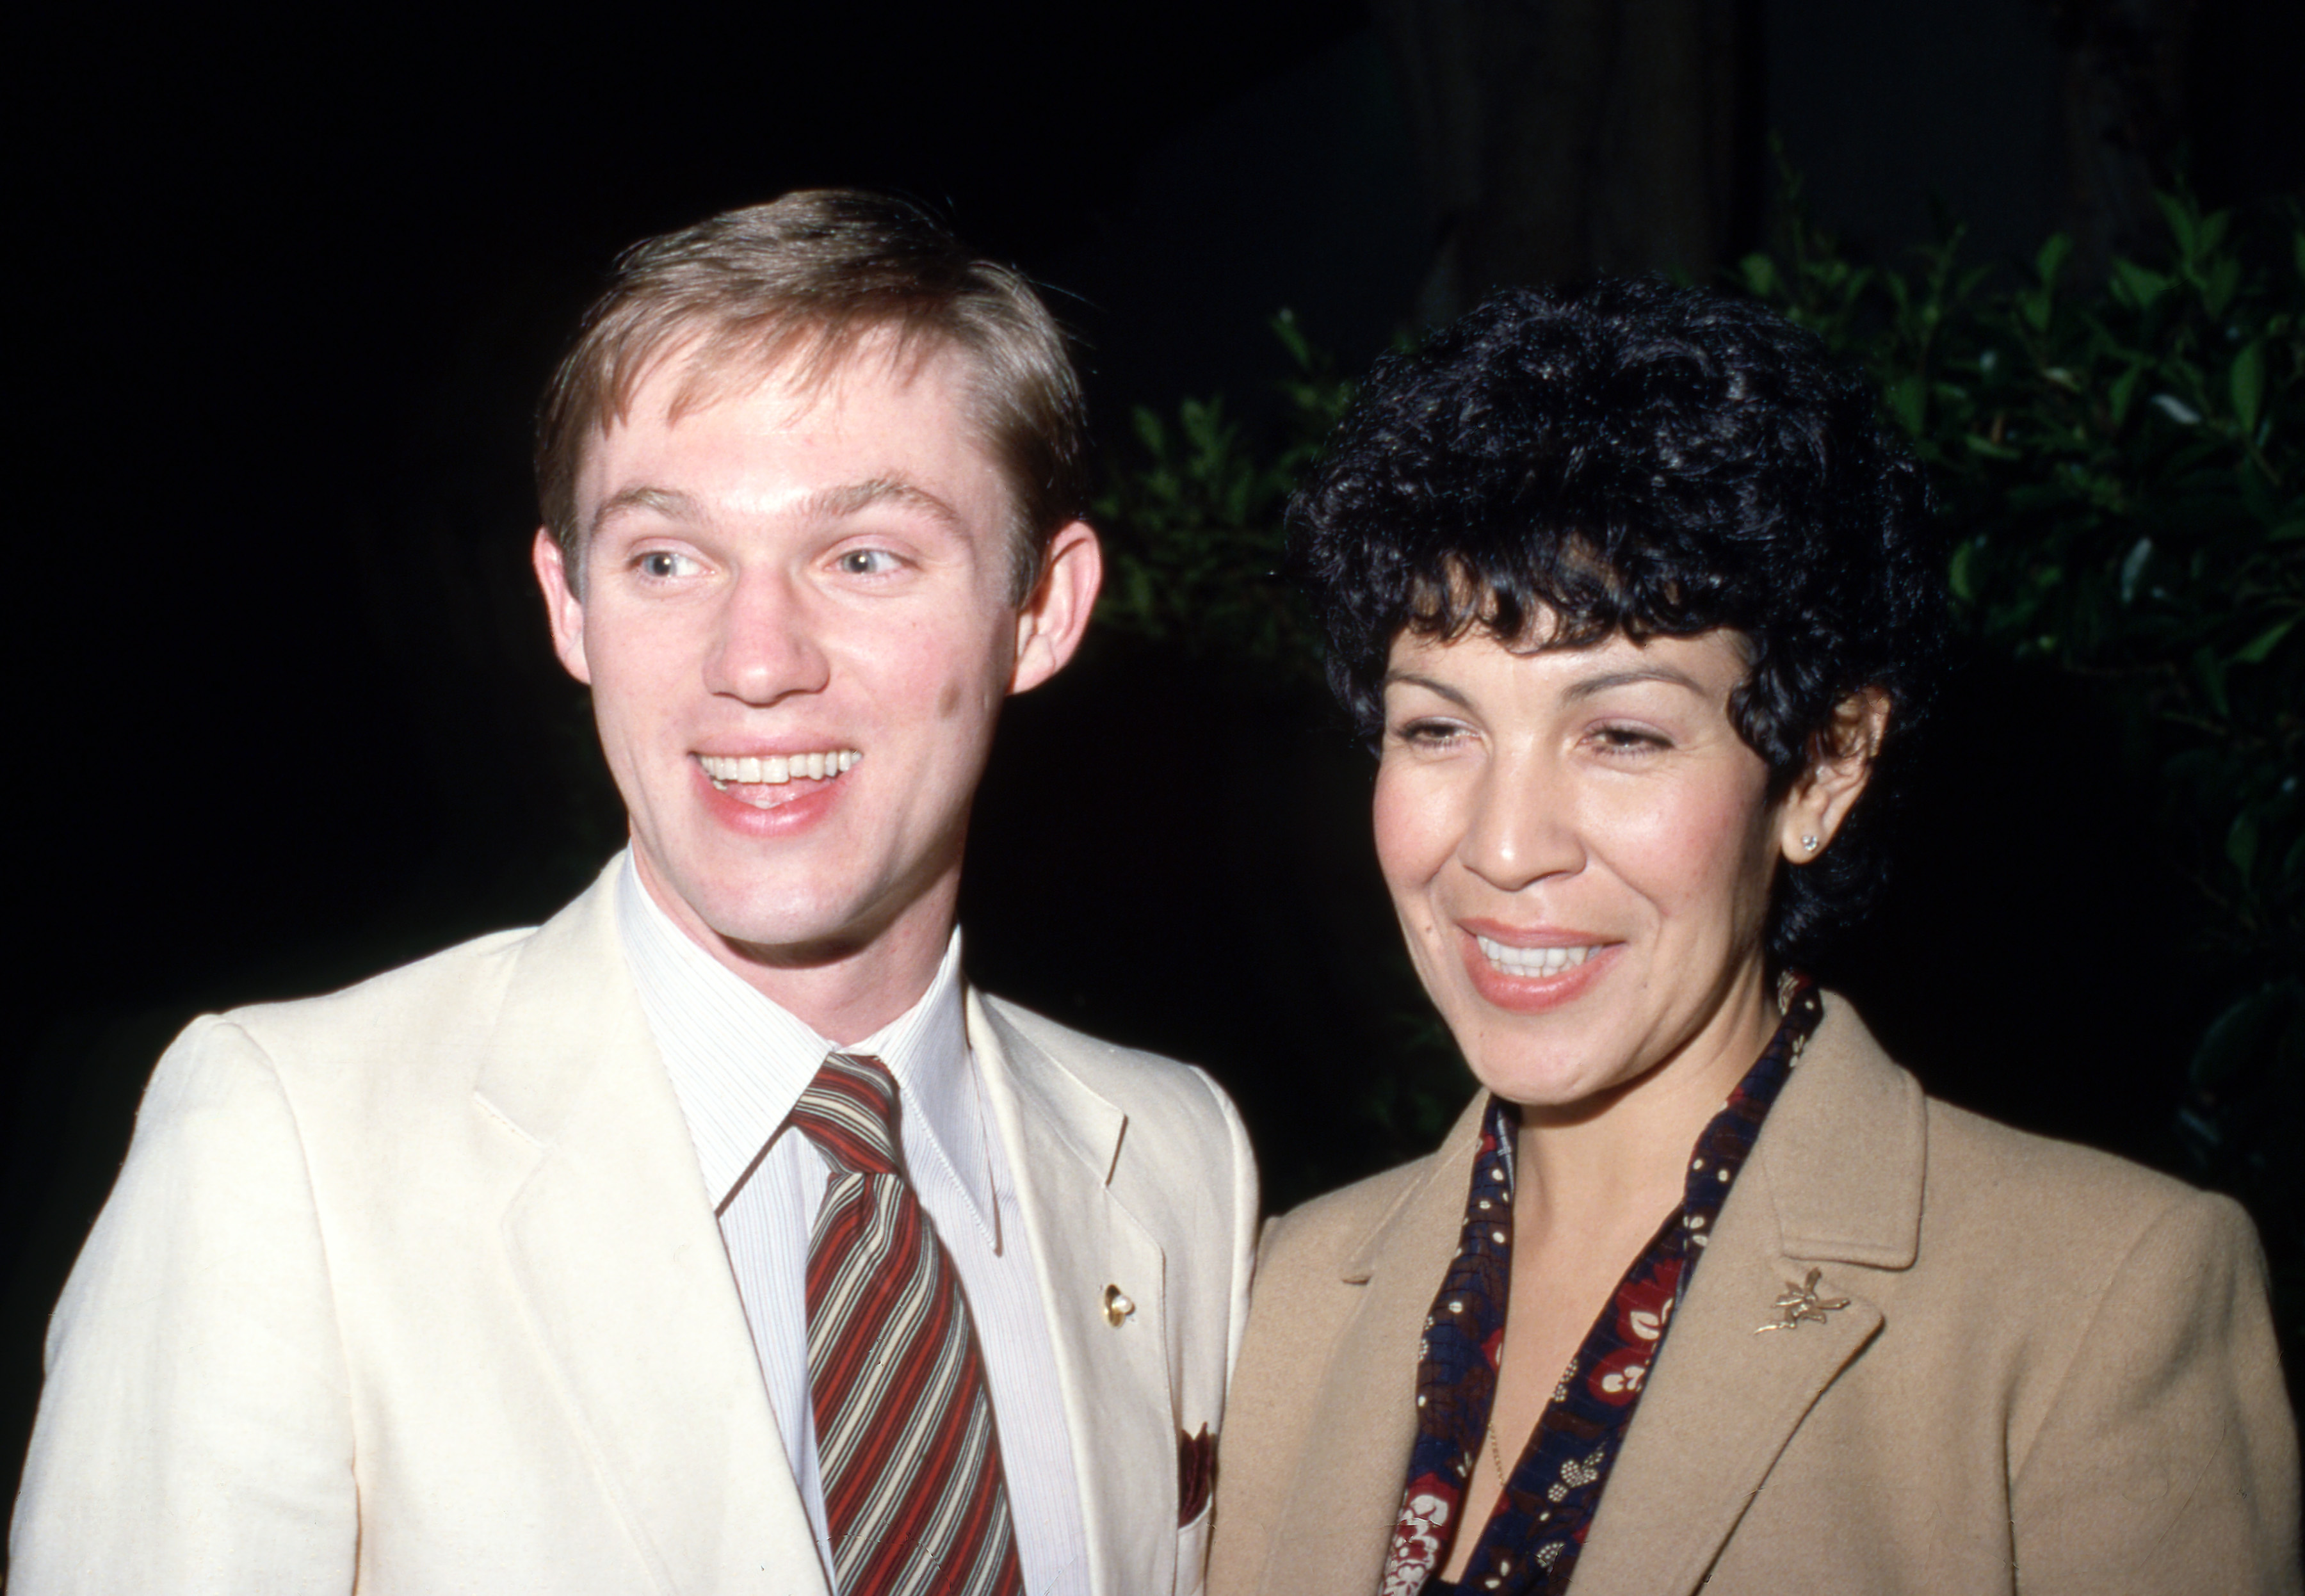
(416, 1288)
(2056, 1373)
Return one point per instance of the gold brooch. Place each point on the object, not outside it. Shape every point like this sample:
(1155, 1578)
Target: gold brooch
(1801, 1303)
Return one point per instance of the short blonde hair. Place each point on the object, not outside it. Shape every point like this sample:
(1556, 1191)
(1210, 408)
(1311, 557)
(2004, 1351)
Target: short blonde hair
(806, 278)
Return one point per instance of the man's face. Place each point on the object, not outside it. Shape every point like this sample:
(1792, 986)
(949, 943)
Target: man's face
(798, 630)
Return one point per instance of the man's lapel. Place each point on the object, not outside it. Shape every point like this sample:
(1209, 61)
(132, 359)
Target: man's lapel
(621, 1268)
(1834, 1181)
(1063, 1142)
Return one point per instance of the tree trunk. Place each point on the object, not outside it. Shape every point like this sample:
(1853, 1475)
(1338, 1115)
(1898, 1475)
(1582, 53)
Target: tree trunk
(1560, 138)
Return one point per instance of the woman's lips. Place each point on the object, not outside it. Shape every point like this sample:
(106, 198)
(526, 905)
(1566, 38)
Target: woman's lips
(1534, 978)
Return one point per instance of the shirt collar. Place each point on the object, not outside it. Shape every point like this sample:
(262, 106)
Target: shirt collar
(739, 1061)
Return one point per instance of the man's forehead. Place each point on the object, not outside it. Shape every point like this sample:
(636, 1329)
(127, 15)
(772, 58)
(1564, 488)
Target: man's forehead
(805, 365)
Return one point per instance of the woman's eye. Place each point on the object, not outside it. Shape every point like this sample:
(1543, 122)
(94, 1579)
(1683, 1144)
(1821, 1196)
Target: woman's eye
(1627, 739)
(1426, 733)
(865, 562)
(662, 565)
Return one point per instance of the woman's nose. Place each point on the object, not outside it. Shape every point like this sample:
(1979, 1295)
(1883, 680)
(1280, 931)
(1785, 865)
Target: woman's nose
(1523, 825)
(767, 645)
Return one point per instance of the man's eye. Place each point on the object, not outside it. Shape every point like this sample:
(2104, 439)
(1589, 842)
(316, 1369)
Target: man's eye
(865, 562)
(662, 565)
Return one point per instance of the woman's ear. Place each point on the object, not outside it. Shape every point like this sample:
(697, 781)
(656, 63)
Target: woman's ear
(1839, 765)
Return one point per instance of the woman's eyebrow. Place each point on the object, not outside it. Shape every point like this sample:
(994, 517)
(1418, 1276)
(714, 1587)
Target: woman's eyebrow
(1411, 679)
(1589, 686)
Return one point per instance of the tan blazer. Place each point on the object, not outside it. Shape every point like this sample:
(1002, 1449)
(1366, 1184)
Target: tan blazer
(2056, 1373)
(416, 1288)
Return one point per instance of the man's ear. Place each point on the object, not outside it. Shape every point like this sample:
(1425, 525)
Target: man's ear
(563, 610)
(1839, 768)
(1049, 625)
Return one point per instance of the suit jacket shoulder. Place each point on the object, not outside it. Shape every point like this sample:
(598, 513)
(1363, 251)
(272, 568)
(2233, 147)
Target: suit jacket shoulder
(1128, 1077)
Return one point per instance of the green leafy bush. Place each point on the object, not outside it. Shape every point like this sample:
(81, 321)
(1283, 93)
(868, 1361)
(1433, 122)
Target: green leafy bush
(1195, 554)
(2122, 475)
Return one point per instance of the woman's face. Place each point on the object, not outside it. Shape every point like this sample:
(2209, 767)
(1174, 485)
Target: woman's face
(1580, 849)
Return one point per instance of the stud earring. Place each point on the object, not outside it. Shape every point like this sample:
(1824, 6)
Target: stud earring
(1808, 844)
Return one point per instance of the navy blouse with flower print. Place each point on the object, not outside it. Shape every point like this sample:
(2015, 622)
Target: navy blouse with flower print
(1533, 1537)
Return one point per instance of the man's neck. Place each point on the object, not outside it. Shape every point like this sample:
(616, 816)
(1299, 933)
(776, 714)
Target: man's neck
(845, 992)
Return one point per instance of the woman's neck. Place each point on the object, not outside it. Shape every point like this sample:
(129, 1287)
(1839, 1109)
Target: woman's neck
(1621, 1160)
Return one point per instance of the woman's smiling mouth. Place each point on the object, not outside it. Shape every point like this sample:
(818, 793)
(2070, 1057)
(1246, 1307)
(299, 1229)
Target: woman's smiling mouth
(1533, 962)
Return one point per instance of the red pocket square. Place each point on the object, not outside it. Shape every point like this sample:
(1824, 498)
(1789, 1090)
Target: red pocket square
(1196, 1473)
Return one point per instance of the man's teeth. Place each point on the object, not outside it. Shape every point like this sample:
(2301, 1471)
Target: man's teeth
(777, 769)
(1533, 961)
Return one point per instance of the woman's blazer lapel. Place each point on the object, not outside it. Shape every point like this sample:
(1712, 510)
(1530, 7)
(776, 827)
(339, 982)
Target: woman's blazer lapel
(1331, 1525)
(622, 1276)
(1834, 1181)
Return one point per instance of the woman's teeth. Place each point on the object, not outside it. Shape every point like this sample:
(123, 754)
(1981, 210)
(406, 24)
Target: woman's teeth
(1533, 960)
(777, 769)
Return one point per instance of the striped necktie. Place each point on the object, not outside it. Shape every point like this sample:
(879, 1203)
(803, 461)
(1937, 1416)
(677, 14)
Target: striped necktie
(914, 1495)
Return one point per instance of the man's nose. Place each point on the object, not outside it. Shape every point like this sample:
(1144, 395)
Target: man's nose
(1523, 825)
(767, 646)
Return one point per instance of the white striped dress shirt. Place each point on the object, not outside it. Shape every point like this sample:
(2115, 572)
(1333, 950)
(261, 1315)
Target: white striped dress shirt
(739, 1063)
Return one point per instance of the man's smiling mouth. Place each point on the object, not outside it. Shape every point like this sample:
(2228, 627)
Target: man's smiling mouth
(756, 780)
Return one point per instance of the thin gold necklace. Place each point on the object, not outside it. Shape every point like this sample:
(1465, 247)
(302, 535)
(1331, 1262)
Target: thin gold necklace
(1504, 1475)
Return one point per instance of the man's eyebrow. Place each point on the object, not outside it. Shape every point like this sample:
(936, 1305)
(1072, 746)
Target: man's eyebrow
(664, 501)
(826, 503)
(831, 504)
(1589, 686)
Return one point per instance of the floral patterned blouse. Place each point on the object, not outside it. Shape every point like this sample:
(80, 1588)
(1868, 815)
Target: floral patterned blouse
(1530, 1544)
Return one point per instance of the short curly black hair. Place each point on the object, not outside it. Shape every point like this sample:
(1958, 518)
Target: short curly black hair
(1626, 456)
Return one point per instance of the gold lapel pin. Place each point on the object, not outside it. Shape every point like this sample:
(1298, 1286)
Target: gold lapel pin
(1801, 1304)
(1117, 1306)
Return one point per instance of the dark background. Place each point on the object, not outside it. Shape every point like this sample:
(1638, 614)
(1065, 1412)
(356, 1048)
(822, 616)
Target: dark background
(285, 709)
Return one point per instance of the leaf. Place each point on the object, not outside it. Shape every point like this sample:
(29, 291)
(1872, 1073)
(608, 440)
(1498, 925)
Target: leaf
(1150, 432)
(2238, 1034)
(1908, 402)
(2217, 288)
(2137, 285)
(2133, 566)
(1760, 275)
(2211, 673)
(2123, 393)
(2241, 844)
(2182, 222)
(1960, 578)
(1292, 338)
(2176, 410)
(2254, 652)
(2248, 384)
(2051, 262)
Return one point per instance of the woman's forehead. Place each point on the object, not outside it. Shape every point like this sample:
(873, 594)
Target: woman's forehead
(1721, 651)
